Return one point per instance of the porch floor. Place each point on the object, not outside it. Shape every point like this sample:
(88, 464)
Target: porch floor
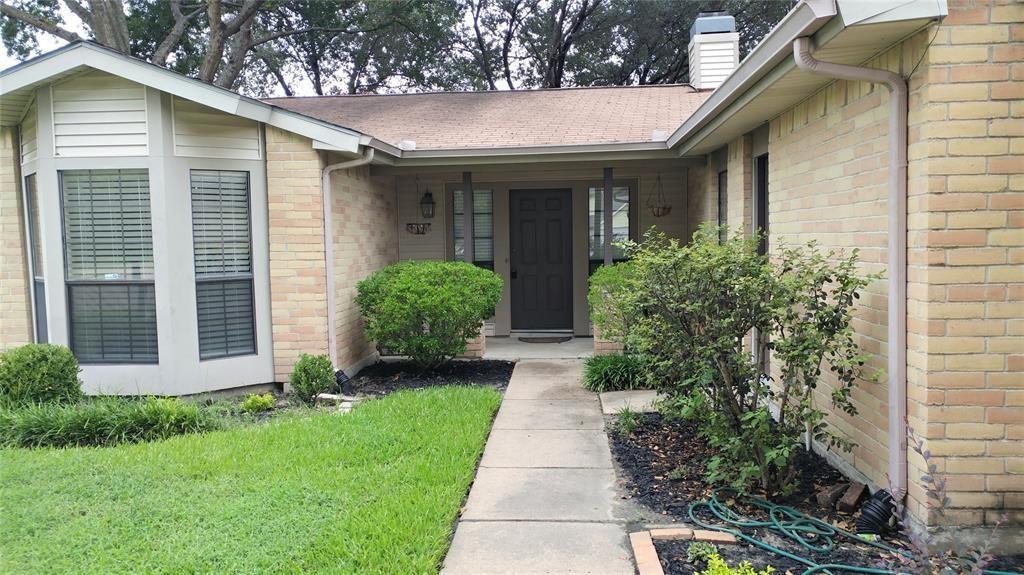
(511, 349)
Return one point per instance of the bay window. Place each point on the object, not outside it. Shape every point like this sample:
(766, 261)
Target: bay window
(108, 264)
(222, 243)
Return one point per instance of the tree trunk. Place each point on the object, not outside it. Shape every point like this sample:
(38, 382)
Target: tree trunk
(109, 24)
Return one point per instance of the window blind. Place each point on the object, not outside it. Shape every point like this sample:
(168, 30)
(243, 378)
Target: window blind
(108, 249)
(483, 227)
(595, 223)
(223, 262)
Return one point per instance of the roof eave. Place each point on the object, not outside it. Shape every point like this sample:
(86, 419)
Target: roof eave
(533, 154)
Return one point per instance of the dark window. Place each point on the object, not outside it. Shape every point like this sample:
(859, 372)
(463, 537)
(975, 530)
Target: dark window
(108, 257)
(222, 242)
(723, 204)
(761, 183)
(483, 227)
(36, 261)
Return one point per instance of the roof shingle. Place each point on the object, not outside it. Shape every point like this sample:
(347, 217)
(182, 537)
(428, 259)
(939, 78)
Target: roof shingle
(567, 116)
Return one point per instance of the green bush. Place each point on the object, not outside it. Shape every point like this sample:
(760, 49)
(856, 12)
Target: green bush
(256, 403)
(700, 551)
(718, 566)
(693, 308)
(604, 295)
(427, 310)
(101, 421)
(39, 373)
(615, 372)
(313, 374)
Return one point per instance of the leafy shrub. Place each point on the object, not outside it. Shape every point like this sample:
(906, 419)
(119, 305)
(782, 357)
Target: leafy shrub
(255, 403)
(718, 566)
(700, 551)
(37, 373)
(313, 374)
(101, 421)
(615, 372)
(693, 308)
(604, 295)
(427, 310)
(627, 421)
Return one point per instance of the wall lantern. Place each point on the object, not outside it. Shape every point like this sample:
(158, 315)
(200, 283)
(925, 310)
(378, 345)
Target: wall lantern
(427, 205)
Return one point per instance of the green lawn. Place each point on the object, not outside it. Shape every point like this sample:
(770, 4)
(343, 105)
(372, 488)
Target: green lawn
(374, 491)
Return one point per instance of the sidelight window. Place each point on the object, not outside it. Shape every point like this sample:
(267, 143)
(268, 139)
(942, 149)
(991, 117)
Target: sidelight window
(620, 224)
(483, 227)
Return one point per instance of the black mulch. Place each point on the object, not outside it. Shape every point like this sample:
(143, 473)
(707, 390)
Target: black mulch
(663, 465)
(385, 377)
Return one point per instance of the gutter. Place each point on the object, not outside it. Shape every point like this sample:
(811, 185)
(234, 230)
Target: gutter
(897, 313)
(328, 200)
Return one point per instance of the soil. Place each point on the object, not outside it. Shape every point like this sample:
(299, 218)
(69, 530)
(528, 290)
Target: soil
(385, 377)
(663, 466)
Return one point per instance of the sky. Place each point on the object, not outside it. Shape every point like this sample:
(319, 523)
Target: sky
(47, 42)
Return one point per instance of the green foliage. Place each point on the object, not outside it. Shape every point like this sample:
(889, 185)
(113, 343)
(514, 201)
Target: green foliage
(255, 403)
(37, 373)
(427, 310)
(701, 551)
(627, 421)
(312, 375)
(718, 566)
(615, 372)
(101, 421)
(375, 491)
(694, 307)
(608, 310)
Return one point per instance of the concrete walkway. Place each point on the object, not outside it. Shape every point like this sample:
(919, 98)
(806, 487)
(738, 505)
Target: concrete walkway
(543, 500)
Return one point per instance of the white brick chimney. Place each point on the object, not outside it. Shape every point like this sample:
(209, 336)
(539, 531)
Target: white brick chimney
(714, 49)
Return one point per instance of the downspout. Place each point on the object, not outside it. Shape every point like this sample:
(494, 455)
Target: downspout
(897, 313)
(325, 186)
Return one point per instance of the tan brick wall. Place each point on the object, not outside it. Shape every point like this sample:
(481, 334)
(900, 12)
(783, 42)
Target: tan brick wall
(15, 302)
(365, 230)
(476, 347)
(298, 280)
(740, 185)
(966, 276)
(604, 346)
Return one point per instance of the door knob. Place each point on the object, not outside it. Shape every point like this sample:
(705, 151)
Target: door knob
(514, 274)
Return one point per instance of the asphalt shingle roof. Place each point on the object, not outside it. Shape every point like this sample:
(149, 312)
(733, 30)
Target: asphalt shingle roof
(567, 116)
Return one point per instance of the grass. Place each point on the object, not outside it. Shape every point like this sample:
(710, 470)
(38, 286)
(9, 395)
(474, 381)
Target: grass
(615, 372)
(374, 491)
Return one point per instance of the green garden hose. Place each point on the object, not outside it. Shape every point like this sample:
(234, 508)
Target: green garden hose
(809, 532)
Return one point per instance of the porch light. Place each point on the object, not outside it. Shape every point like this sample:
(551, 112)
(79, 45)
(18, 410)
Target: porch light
(427, 205)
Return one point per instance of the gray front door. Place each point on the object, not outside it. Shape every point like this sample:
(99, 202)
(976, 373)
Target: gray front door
(541, 259)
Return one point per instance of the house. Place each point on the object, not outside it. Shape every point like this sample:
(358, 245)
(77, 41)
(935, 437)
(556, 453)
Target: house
(182, 238)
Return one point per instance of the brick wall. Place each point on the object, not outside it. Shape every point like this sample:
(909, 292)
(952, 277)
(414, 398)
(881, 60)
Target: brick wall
(740, 185)
(298, 280)
(365, 240)
(967, 259)
(15, 303)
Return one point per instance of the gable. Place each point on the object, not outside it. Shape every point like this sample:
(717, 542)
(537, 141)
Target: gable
(99, 114)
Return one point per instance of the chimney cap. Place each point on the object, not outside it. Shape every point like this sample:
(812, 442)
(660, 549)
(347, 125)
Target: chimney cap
(713, 23)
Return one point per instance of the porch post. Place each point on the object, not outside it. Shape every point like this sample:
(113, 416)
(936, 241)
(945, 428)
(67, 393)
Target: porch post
(467, 216)
(606, 209)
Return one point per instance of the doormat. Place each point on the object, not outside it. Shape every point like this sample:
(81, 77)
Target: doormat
(545, 339)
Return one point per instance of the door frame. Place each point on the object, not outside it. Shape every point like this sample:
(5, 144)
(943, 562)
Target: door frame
(570, 284)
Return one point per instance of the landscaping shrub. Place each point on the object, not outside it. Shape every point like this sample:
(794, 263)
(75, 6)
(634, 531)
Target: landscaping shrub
(427, 310)
(718, 566)
(313, 374)
(38, 373)
(627, 421)
(101, 421)
(607, 285)
(693, 308)
(256, 403)
(615, 372)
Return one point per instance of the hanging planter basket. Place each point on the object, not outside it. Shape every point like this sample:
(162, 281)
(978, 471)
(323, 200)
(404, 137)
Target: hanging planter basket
(656, 201)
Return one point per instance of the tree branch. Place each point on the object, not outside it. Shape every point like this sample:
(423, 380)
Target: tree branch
(173, 37)
(37, 22)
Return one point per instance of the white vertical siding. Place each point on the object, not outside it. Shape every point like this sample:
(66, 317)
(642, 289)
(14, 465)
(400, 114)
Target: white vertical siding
(200, 131)
(97, 114)
(30, 135)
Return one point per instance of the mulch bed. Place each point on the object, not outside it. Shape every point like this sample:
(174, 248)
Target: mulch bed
(663, 466)
(385, 377)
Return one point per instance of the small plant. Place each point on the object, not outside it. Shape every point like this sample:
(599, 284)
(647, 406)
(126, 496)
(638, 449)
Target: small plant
(925, 556)
(700, 551)
(615, 372)
(604, 295)
(313, 374)
(102, 421)
(678, 473)
(39, 373)
(256, 403)
(427, 310)
(627, 421)
(718, 566)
